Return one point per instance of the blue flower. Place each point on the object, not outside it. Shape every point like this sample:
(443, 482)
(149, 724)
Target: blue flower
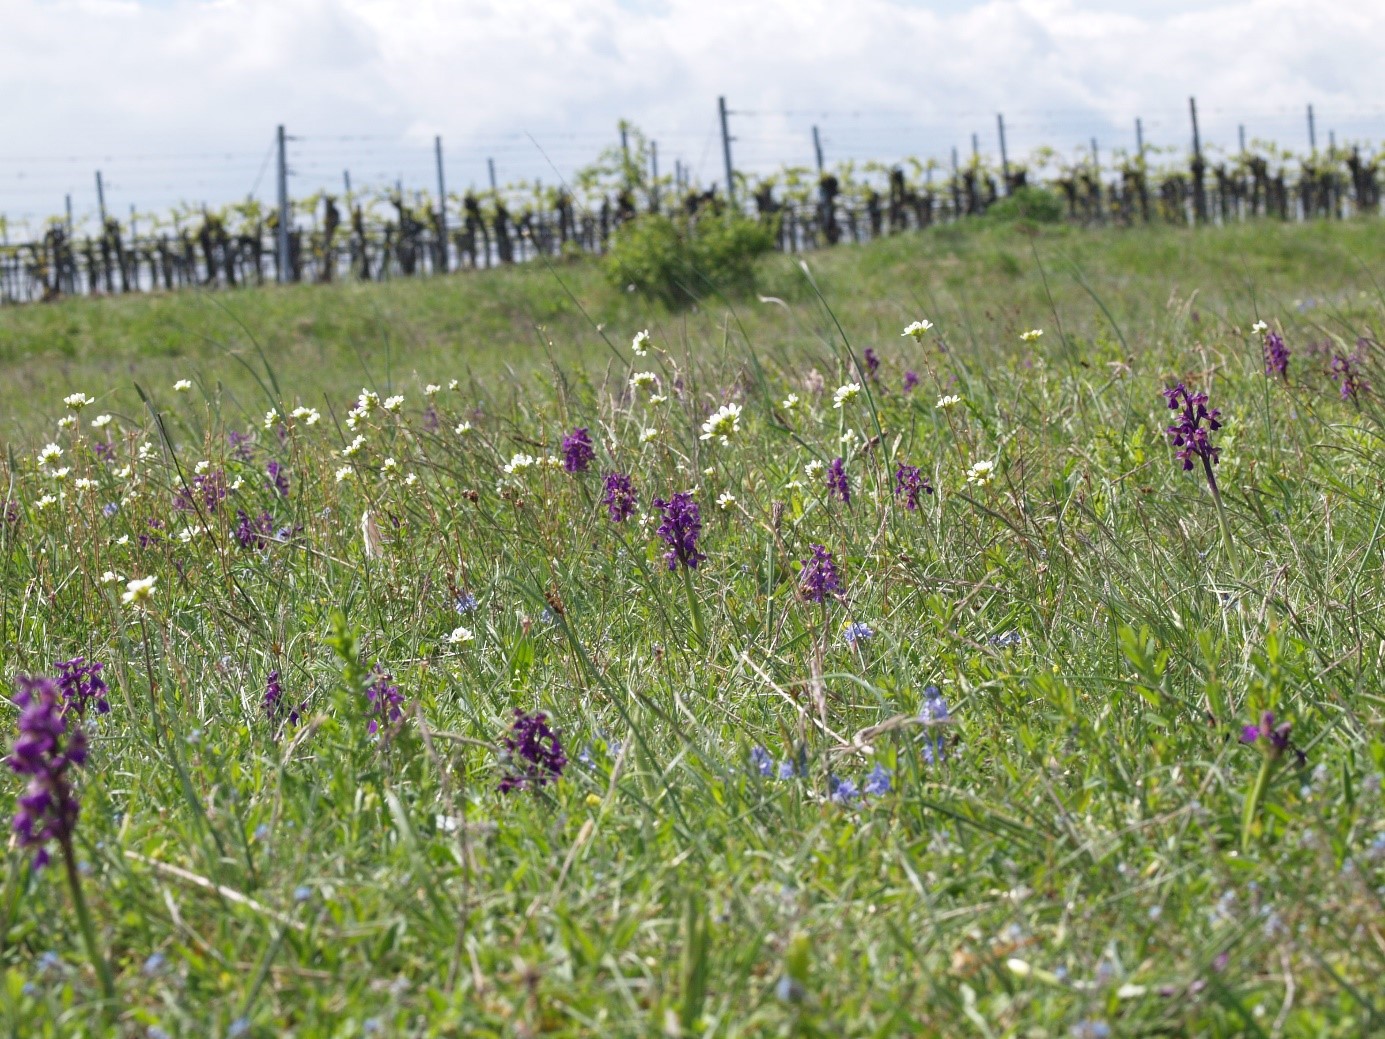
(878, 782)
(760, 759)
(857, 630)
(153, 964)
(844, 791)
(302, 893)
(934, 711)
(466, 602)
(786, 770)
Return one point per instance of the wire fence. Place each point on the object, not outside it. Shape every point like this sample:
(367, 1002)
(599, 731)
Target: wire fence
(386, 231)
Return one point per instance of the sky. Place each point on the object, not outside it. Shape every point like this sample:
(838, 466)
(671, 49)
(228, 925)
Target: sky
(177, 100)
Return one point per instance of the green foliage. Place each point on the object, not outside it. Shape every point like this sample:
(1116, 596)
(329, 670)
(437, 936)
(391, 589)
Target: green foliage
(679, 261)
(1032, 204)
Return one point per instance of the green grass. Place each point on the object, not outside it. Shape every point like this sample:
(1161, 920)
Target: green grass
(1093, 846)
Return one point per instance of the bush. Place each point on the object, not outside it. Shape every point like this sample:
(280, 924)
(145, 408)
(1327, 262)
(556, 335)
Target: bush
(679, 261)
(1038, 205)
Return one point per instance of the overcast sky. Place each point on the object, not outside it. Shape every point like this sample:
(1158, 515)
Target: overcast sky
(178, 99)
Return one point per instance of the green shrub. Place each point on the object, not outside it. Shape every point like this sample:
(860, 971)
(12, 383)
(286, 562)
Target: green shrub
(1038, 205)
(679, 261)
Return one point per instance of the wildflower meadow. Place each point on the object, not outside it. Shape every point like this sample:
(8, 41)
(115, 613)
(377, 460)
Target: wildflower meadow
(971, 633)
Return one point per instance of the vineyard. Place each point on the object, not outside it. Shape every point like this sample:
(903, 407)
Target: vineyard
(382, 235)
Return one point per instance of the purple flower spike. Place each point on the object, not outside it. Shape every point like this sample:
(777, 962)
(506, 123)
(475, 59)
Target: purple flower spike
(209, 488)
(82, 686)
(1273, 739)
(577, 450)
(386, 702)
(909, 483)
(1276, 356)
(837, 485)
(872, 362)
(619, 497)
(534, 754)
(1187, 433)
(50, 742)
(819, 579)
(911, 379)
(1348, 375)
(680, 529)
(278, 478)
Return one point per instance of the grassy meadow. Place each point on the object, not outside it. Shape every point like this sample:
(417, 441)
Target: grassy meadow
(891, 684)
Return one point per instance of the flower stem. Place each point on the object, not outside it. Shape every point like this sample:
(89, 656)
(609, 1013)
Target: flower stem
(698, 631)
(1222, 522)
(1253, 799)
(98, 961)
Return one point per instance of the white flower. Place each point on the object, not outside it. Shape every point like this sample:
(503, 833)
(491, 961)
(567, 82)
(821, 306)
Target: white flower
(723, 423)
(308, 416)
(411, 479)
(432, 390)
(640, 344)
(643, 380)
(123, 473)
(352, 449)
(44, 502)
(367, 401)
(918, 329)
(726, 502)
(61, 474)
(146, 451)
(981, 473)
(78, 401)
(138, 590)
(111, 577)
(182, 386)
(67, 422)
(553, 462)
(49, 452)
(201, 467)
(463, 429)
(343, 473)
(710, 471)
(238, 483)
(461, 636)
(389, 465)
(100, 422)
(188, 533)
(452, 384)
(1032, 336)
(1259, 328)
(849, 437)
(657, 398)
(394, 403)
(124, 539)
(519, 463)
(353, 419)
(649, 433)
(270, 418)
(950, 400)
(845, 394)
(790, 402)
(814, 470)
(83, 484)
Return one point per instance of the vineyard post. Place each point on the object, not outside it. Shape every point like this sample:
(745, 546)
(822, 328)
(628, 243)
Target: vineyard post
(67, 199)
(1004, 157)
(282, 258)
(1312, 133)
(817, 150)
(442, 205)
(1241, 134)
(1199, 192)
(134, 230)
(101, 198)
(1140, 139)
(625, 153)
(726, 153)
(654, 175)
(677, 176)
(490, 165)
(1096, 179)
(976, 151)
(956, 187)
(346, 182)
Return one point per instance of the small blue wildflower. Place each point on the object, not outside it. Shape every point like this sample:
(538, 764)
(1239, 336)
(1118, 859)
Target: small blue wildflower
(1006, 639)
(844, 791)
(371, 1026)
(262, 832)
(466, 602)
(789, 991)
(302, 893)
(787, 770)
(50, 963)
(109, 509)
(878, 782)
(240, 1026)
(153, 964)
(934, 710)
(857, 630)
(760, 759)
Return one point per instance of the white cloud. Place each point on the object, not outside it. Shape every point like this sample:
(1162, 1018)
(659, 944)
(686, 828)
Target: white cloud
(111, 82)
